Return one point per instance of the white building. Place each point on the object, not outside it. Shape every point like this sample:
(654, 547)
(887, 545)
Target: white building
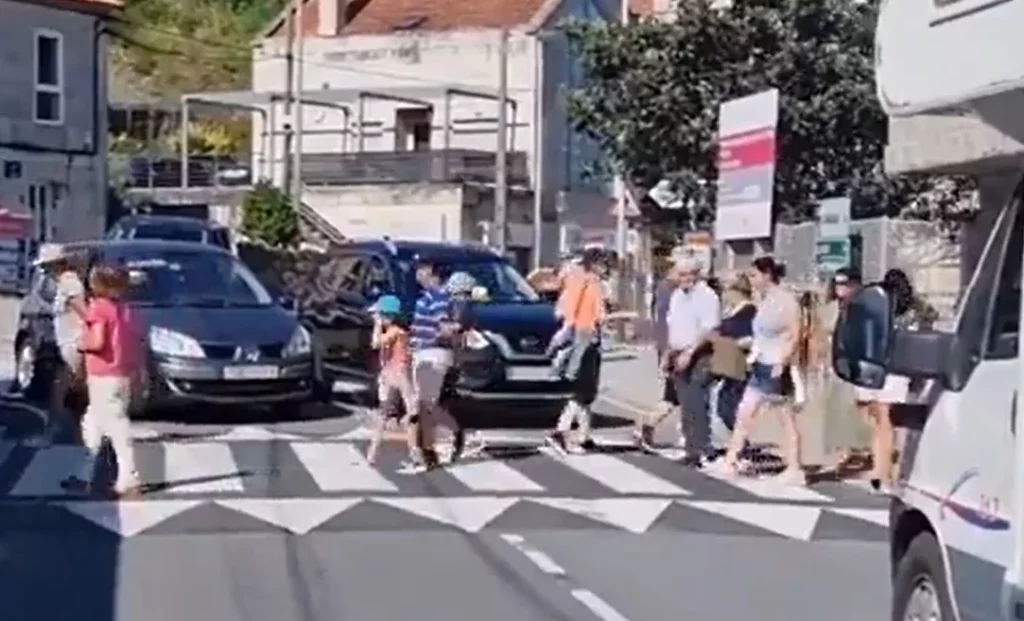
(407, 171)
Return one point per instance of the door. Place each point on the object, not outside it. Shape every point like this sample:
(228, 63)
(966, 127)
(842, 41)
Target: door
(341, 322)
(968, 441)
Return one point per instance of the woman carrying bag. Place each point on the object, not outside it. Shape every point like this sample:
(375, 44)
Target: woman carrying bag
(730, 346)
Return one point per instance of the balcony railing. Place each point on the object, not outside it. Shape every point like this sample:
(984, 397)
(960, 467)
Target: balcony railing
(165, 170)
(438, 166)
(321, 169)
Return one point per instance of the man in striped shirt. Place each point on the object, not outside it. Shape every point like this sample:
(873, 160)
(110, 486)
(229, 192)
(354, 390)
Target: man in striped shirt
(433, 334)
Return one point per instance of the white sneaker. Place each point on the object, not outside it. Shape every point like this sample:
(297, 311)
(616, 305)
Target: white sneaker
(792, 476)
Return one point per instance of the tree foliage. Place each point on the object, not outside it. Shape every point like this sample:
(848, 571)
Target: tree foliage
(179, 46)
(651, 92)
(268, 217)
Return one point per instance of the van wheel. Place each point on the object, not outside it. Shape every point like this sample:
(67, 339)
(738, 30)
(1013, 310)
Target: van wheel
(920, 589)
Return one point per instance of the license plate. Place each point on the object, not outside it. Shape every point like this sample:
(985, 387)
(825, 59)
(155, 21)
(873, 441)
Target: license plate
(531, 374)
(250, 372)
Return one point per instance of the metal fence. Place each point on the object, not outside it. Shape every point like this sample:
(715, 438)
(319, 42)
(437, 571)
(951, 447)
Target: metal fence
(437, 166)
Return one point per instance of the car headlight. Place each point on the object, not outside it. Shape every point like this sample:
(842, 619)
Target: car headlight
(172, 343)
(299, 345)
(475, 340)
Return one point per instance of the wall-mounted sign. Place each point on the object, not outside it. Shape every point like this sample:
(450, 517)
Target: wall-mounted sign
(746, 166)
(16, 250)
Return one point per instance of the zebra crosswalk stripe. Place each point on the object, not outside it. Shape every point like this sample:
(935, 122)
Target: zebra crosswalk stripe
(47, 470)
(313, 469)
(340, 467)
(201, 468)
(621, 477)
(493, 476)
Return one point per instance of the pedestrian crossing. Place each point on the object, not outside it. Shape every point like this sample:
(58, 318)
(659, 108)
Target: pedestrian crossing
(238, 466)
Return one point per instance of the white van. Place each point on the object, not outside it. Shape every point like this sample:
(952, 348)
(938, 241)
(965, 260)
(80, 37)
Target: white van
(957, 543)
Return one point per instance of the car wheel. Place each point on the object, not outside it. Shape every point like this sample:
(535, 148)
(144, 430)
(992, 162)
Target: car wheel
(920, 588)
(29, 372)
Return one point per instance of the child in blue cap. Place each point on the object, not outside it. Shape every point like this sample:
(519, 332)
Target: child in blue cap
(395, 380)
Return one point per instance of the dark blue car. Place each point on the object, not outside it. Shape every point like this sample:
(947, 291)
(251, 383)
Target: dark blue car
(503, 369)
(214, 334)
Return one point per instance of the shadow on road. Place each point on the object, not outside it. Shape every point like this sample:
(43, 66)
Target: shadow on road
(56, 566)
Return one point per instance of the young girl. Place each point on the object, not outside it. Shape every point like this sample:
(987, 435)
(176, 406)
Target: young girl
(111, 345)
(395, 382)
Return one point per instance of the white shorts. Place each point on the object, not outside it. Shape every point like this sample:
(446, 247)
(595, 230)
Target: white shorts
(429, 368)
(895, 390)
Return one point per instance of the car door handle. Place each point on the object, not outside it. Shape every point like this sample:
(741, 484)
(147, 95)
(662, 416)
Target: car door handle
(1013, 414)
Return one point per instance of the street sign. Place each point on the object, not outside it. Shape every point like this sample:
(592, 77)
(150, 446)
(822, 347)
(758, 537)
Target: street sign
(833, 247)
(833, 254)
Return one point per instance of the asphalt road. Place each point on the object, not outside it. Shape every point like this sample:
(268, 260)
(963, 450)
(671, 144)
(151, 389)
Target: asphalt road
(259, 521)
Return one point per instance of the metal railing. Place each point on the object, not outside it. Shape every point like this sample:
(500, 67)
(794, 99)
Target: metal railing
(452, 165)
(163, 170)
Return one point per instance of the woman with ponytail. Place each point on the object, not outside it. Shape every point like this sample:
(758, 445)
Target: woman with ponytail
(774, 354)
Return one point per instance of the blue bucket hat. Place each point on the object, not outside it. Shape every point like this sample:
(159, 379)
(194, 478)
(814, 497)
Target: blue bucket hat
(388, 305)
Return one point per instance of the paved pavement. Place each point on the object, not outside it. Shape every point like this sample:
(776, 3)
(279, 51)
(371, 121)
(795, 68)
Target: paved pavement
(279, 521)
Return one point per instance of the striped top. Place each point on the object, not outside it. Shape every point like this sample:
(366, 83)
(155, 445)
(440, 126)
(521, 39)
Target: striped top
(432, 308)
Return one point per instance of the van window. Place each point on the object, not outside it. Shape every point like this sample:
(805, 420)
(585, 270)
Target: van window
(1005, 324)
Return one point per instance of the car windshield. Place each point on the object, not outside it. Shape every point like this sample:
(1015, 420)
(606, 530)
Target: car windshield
(169, 232)
(503, 282)
(185, 278)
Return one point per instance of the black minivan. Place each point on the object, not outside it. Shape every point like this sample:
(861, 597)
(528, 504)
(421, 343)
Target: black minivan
(503, 367)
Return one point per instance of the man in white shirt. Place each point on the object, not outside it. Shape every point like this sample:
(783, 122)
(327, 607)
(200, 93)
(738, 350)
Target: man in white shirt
(694, 312)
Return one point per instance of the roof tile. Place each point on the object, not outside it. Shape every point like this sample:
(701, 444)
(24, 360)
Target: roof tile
(386, 16)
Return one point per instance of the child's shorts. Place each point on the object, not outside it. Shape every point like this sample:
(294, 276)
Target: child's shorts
(395, 396)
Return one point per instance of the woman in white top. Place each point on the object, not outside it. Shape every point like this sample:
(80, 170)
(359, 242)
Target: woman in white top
(776, 335)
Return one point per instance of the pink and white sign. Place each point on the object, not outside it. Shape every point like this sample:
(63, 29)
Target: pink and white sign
(746, 166)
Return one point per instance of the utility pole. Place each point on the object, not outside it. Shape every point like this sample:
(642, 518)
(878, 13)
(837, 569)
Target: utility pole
(289, 59)
(620, 206)
(300, 37)
(501, 168)
(538, 148)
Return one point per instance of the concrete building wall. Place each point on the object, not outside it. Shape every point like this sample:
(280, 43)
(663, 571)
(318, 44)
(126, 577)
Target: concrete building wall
(55, 170)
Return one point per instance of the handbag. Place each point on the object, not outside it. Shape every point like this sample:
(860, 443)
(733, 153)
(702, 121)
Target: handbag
(728, 359)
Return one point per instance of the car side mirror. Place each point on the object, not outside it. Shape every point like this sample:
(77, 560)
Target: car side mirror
(549, 295)
(863, 337)
(286, 303)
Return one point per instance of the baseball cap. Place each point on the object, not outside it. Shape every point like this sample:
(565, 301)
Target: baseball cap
(388, 305)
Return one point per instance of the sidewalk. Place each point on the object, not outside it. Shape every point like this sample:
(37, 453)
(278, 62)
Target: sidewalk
(635, 385)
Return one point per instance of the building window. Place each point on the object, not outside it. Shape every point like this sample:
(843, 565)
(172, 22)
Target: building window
(49, 78)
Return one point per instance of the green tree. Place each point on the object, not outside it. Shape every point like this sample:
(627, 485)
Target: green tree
(179, 46)
(268, 217)
(651, 91)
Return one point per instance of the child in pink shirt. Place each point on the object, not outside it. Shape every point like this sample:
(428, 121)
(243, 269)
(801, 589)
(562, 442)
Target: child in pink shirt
(111, 345)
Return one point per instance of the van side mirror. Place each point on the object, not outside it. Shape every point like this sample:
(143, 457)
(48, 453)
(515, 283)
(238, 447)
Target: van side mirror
(863, 338)
(866, 346)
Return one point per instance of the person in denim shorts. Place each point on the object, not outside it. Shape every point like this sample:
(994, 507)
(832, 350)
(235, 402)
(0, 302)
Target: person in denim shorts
(776, 336)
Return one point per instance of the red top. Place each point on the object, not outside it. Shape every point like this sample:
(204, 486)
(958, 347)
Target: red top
(119, 353)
